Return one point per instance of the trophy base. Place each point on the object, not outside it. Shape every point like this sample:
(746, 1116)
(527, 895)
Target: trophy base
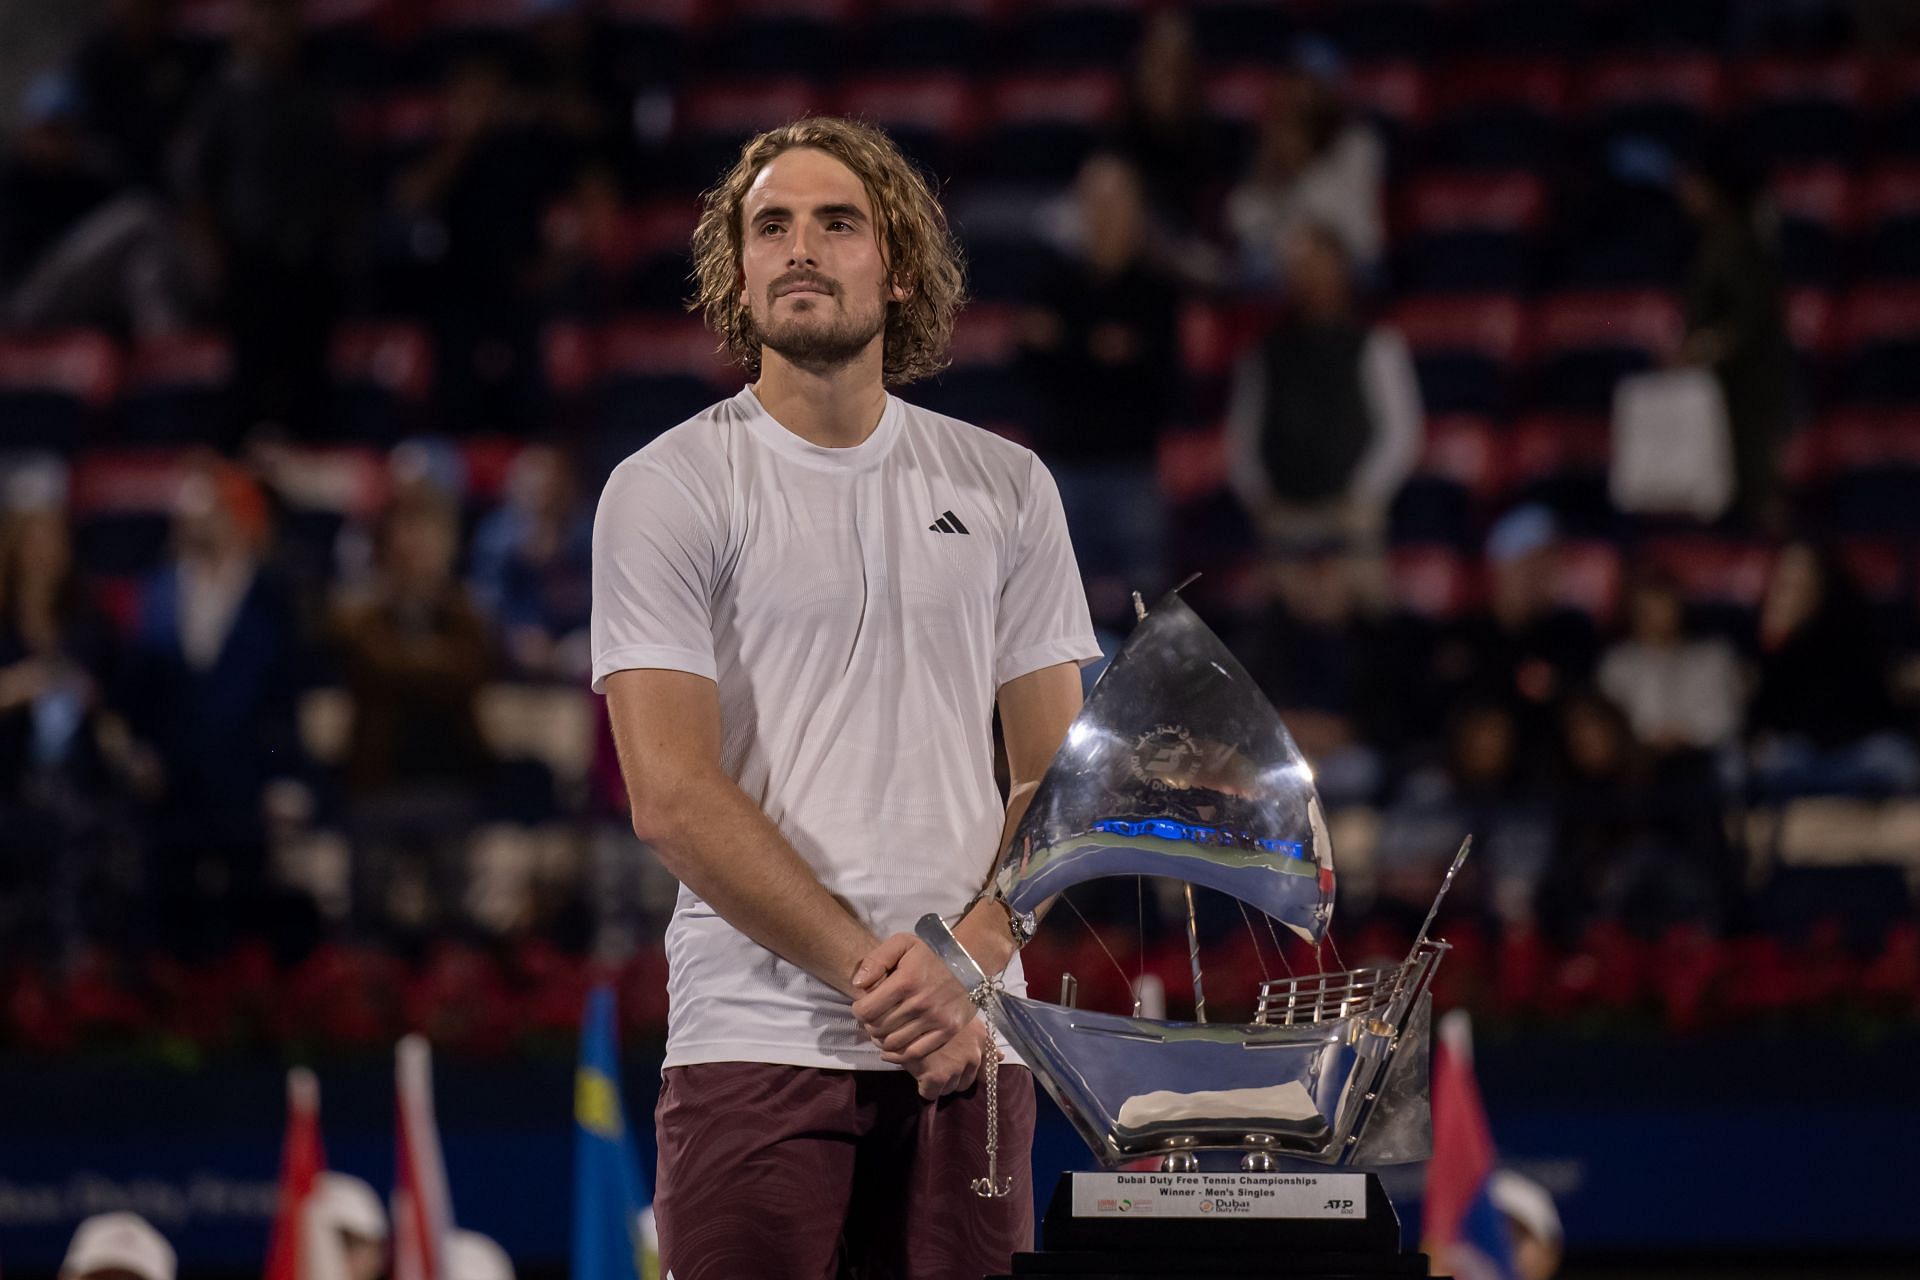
(1127, 1226)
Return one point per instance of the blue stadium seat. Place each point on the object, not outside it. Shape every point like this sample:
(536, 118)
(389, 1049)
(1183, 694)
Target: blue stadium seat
(1465, 350)
(1373, 29)
(927, 35)
(1071, 33)
(1228, 32)
(778, 37)
(653, 39)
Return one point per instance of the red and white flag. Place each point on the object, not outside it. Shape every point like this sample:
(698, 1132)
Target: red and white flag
(422, 1209)
(302, 1160)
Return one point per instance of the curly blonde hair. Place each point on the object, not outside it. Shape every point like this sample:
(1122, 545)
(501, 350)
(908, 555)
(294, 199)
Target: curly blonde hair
(919, 249)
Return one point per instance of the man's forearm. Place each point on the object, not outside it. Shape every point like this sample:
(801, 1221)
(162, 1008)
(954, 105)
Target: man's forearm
(726, 850)
(985, 931)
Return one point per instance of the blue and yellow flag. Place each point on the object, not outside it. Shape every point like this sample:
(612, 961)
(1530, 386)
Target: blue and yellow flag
(610, 1210)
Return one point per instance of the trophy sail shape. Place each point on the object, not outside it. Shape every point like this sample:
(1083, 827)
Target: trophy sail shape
(1178, 766)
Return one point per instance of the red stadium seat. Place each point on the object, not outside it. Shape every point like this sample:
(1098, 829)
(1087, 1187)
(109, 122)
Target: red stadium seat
(1713, 571)
(1396, 94)
(1816, 205)
(1464, 450)
(1192, 464)
(1807, 110)
(1470, 232)
(1583, 343)
(1502, 114)
(1436, 583)
(1889, 219)
(931, 116)
(1672, 98)
(176, 389)
(1587, 577)
(1878, 336)
(1466, 350)
(1040, 127)
(737, 108)
(56, 387)
(382, 374)
(121, 502)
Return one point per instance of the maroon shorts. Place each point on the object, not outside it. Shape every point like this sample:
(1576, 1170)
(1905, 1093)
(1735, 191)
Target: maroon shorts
(771, 1172)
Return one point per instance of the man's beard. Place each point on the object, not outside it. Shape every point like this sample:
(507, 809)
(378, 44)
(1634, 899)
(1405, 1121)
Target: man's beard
(819, 347)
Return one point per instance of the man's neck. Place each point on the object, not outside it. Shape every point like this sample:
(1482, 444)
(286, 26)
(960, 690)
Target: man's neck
(834, 408)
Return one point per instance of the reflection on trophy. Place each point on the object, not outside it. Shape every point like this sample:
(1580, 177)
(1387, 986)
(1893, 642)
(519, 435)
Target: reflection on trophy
(1178, 767)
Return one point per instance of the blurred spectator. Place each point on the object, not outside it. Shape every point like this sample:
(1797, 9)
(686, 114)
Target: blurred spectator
(349, 1212)
(414, 653)
(1313, 162)
(1325, 421)
(472, 1256)
(1822, 718)
(1527, 650)
(74, 249)
(1102, 349)
(1533, 1224)
(1163, 130)
(474, 206)
(532, 566)
(1631, 844)
(265, 186)
(1678, 692)
(575, 81)
(210, 689)
(136, 81)
(1326, 667)
(1736, 324)
(1478, 789)
(117, 1246)
(63, 835)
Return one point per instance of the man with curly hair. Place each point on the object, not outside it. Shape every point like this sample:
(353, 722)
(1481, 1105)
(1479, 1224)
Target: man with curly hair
(808, 602)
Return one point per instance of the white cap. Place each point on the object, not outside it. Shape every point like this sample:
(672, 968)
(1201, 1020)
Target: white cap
(472, 1256)
(345, 1203)
(1526, 1202)
(118, 1242)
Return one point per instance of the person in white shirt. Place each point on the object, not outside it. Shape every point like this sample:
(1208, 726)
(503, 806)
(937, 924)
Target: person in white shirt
(808, 602)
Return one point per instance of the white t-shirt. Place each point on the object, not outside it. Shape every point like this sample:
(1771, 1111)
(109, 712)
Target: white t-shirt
(858, 610)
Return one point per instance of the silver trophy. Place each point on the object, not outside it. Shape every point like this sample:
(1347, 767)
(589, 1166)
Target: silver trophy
(1179, 767)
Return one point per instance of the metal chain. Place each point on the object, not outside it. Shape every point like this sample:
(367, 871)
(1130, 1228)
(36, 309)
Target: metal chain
(993, 1185)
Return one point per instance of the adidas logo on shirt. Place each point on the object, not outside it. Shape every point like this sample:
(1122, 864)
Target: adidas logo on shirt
(947, 523)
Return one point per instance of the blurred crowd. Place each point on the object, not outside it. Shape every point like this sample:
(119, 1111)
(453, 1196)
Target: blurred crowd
(292, 650)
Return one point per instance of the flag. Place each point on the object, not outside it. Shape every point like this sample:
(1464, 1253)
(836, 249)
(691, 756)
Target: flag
(422, 1209)
(1462, 1231)
(609, 1200)
(302, 1160)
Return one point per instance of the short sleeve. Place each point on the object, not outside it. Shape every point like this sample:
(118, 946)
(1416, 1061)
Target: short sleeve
(1043, 617)
(656, 556)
